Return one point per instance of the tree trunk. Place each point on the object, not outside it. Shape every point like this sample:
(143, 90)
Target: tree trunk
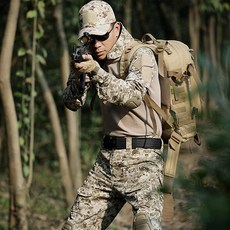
(58, 137)
(216, 67)
(56, 127)
(171, 29)
(73, 118)
(128, 15)
(18, 190)
(212, 38)
(140, 16)
(194, 30)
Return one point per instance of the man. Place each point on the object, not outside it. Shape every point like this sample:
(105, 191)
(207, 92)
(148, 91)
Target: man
(129, 165)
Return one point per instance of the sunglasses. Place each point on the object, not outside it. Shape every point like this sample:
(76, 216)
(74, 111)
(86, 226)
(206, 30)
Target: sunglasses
(92, 38)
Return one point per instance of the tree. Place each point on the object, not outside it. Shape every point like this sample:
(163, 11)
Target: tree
(73, 119)
(18, 189)
(53, 114)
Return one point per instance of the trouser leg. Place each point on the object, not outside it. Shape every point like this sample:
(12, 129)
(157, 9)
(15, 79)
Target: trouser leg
(97, 203)
(139, 177)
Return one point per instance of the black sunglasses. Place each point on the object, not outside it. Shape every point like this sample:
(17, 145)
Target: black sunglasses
(100, 38)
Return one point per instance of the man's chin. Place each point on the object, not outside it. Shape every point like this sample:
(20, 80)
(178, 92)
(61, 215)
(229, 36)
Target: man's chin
(100, 56)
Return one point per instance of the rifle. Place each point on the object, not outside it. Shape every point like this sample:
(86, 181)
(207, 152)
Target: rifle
(77, 53)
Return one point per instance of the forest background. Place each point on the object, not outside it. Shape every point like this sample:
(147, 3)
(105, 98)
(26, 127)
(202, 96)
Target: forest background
(46, 150)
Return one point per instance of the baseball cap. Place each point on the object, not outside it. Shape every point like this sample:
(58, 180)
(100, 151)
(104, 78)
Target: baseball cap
(95, 18)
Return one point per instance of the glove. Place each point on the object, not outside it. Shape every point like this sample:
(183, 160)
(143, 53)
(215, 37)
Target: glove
(86, 66)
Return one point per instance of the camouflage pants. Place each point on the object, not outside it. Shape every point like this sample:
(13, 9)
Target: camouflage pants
(119, 176)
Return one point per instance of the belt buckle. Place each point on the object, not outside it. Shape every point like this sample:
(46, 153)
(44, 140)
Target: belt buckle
(129, 142)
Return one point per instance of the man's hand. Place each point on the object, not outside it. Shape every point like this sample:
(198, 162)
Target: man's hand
(87, 65)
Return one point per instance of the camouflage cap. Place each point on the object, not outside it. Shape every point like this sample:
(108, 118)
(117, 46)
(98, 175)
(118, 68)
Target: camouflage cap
(95, 18)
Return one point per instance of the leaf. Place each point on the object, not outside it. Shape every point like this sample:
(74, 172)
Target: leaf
(39, 33)
(18, 94)
(19, 124)
(26, 121)
(26, 170)
(53, 2)
(21, 52)
(29, 52)
(226, 6)
(20, 73)
(21, 141)
(25, 157)
(26, 97)
(41, 8)
(31, 14)
(29, 80)
(25, 111)
(41, 59)
(44, 52)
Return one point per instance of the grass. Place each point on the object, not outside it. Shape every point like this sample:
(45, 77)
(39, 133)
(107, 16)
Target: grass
(46, 204)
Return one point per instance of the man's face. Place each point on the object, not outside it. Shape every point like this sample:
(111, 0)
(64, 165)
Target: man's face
(101, 45)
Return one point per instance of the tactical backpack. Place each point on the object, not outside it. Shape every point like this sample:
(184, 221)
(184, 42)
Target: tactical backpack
(180, 99)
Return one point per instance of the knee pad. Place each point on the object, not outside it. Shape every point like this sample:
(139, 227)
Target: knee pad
(142, 221)
(67, 226)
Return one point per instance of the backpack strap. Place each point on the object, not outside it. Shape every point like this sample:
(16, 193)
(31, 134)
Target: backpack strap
(127, 55)
(153, 105)
(159, 47)
(169, 174)
(174, 144)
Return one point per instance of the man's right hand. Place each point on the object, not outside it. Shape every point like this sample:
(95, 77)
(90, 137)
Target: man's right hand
(86, 66)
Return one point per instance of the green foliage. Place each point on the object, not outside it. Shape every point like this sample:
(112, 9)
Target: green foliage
(210, 183)
(31, 14)
(25, 89)
(214, 6)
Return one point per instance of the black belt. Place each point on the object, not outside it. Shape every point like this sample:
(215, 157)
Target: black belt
(112, 142)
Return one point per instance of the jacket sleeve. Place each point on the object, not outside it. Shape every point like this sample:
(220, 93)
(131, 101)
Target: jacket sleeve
(72, 97)
(128, 92)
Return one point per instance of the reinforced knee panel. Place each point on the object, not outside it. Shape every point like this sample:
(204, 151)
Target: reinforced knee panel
(67, 226)
(142, 222)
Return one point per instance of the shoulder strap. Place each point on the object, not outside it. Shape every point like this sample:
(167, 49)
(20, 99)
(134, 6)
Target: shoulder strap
(127, 55)
(159, 47)
(152, 104)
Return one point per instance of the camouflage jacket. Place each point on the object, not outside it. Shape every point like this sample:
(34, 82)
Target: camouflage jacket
(123, 109)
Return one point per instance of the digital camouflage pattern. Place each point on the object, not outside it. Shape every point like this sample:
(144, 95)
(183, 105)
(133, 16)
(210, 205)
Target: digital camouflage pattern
(132, 175)
(95, 18)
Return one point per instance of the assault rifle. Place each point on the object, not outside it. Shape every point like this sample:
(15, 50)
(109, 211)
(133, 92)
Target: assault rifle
(77, 53)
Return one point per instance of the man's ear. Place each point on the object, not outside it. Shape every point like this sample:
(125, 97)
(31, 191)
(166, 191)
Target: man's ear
(117, 28)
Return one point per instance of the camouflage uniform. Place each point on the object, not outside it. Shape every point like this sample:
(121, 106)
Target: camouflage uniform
(128, 174)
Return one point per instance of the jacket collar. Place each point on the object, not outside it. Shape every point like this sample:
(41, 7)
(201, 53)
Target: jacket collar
(118, 48)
